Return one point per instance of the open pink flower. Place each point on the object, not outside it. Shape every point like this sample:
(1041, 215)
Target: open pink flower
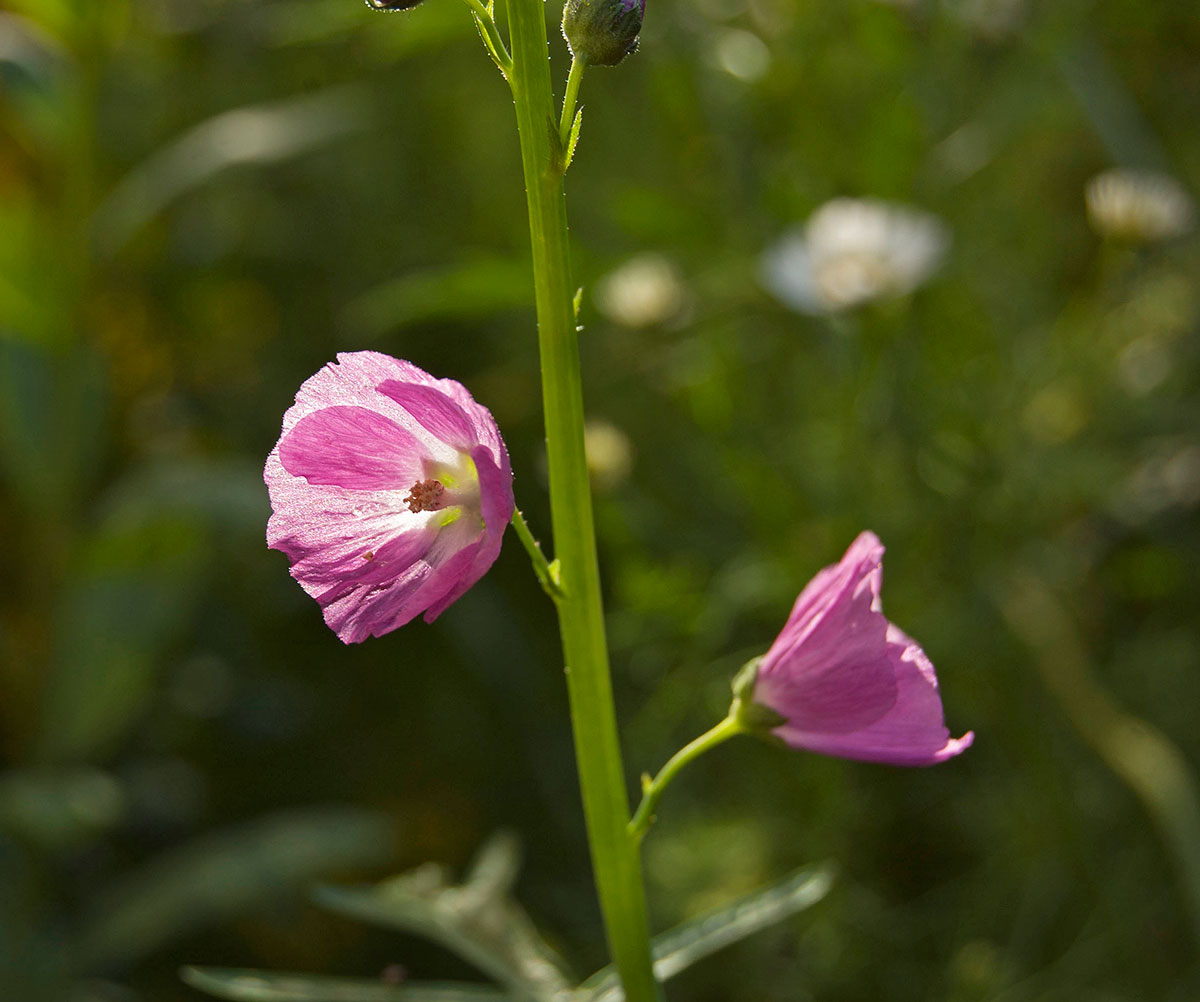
(841, 680)
(390, 490)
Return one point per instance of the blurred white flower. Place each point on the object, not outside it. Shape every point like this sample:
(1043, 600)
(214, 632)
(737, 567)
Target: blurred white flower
(741, 54)
(609, 454)
(851, 251)
(1167, 478)
(1138, 205)
(991, 19)
(644, 291)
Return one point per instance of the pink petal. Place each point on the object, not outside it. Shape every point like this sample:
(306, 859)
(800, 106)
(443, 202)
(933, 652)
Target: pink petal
(434, 409)
(913, 732)
(352, 380)
(351, 447)
(862, 561)
(495, 487)
(829, 670)
(365, 612)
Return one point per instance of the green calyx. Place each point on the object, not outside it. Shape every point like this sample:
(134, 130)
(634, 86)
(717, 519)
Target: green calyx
(752, 716)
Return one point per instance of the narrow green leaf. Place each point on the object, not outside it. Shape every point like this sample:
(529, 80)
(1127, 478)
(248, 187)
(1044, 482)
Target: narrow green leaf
(466, 290)
(246, 985)
(478, 919)
(251, 135)
(225, 874)
(679, 948)
(573, 139)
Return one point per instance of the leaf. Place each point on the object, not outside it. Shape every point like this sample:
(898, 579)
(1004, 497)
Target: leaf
(254, 134)
(59, 809)
(469, 289)
(130, 596)
(478, 919)
(227, 495)
(225, 874)
(132, 590)
(52, 405)
(676, 950)
(243, 985)
(573, 139)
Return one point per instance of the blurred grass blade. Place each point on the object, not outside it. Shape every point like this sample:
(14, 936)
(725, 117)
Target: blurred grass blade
(242, 985)
(679, 948)
(1139, 753)
(132, 590)
(52, 406)
(477, 919)
(1110, 106)
(128, 598)
(471, 289)
(228, 873)
(59, 809)
(226, 494)
(255, 134)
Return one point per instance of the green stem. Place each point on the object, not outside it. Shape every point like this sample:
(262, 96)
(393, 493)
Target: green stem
(547, 572)
(574, 79)
(653, 790)
(615, 859)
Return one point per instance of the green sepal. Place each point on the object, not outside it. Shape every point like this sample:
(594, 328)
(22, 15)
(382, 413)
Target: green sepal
(753, 716)
(743, 681)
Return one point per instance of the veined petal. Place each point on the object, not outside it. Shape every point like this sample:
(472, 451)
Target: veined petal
(365, 611)
(860, 567)
(913, 732)
(437, 412)
(351, 447)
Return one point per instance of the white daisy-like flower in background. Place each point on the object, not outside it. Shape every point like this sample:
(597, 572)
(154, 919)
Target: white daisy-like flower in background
(1139, 205)
(644, 291)
(609, 454)
(853, 250)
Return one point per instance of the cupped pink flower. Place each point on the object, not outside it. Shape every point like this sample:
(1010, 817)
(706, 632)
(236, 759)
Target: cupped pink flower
(841, 680)
(390, 490)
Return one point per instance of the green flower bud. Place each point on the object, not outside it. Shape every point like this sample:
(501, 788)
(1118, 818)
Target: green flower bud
(602, 32)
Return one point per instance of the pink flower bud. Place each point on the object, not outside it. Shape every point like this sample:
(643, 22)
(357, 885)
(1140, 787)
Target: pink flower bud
(841, 680)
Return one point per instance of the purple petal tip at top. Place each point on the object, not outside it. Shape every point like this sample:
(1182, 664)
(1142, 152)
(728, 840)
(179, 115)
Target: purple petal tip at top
(846, 682)
(390, 492)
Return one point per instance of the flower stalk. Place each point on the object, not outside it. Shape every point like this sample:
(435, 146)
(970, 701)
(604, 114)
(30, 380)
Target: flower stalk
(547, 573)
(615, 858)
(570, 98)
(653, 789)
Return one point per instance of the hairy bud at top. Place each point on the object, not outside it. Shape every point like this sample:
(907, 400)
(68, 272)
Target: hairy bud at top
(602, 32)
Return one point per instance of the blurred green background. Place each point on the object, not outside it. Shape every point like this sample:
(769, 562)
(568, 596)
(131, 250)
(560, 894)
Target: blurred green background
(202, 201)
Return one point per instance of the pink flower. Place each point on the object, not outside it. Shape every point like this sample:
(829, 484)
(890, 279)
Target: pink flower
(390, 490)
(841, 680)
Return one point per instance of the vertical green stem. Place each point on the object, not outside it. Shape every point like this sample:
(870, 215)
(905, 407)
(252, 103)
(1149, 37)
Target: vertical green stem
(615, 859)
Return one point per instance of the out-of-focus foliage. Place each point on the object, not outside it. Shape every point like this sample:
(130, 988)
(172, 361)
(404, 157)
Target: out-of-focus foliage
(201, 201)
